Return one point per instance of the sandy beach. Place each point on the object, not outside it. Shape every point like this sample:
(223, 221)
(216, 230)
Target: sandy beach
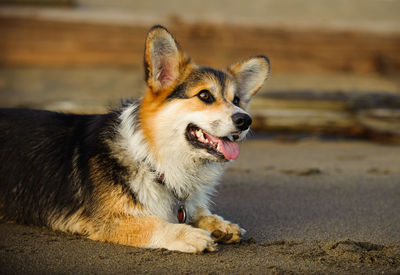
(309, 206)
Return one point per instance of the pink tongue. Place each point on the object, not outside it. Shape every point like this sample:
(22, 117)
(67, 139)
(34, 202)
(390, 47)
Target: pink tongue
(229, 149)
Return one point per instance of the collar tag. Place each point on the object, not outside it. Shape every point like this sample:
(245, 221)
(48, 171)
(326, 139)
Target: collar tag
(182, 214)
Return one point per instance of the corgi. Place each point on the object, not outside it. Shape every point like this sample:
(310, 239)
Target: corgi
(142, 175)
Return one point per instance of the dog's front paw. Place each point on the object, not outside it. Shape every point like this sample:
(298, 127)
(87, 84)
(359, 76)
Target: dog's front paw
(188, 239)
(221, 231)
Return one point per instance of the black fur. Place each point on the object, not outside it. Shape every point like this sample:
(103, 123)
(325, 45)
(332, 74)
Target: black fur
(219, 75)
(178, 93)
(194, 77)
(44, 160)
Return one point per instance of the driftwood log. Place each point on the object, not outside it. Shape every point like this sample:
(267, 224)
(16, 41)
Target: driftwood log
(30, 41)
(36, 41)
(373, 115)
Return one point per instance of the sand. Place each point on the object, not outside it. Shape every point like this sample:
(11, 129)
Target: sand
(309, 206)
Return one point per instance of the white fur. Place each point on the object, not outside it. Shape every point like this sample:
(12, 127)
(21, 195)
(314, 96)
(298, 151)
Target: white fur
(181, 237)
(184, 173)
(190, 173)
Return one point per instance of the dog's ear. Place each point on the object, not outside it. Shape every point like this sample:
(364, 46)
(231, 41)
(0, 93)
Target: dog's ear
(250, 75)
(164, 60)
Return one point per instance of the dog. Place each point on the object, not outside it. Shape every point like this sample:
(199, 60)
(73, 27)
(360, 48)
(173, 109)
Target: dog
(141, 175)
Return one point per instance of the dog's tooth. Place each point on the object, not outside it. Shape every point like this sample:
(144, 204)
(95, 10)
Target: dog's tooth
(198, 133)
(201, 138)
(230, 137)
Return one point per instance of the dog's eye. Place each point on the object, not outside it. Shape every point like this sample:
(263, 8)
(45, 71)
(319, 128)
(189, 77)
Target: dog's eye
(206, 96)
(236, 101)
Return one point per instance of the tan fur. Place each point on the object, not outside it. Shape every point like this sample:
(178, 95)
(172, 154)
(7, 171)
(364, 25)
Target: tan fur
(209, 82)
(112, 199)
(222, 231)
(157, 94)
(151, 104)
(127, 231)
(111, 221)
(195, 105)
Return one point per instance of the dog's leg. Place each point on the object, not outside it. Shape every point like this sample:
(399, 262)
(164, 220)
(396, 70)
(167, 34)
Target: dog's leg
(154, 232)
(222, 231)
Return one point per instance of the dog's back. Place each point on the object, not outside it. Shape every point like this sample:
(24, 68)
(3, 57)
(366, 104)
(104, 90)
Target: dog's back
(42, 155)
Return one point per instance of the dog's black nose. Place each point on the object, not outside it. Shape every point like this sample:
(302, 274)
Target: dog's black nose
(242, 121)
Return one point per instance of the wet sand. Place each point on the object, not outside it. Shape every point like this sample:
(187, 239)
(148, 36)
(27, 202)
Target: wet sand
(310, 206)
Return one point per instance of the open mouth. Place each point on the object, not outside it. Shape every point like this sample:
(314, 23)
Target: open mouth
(222, 147)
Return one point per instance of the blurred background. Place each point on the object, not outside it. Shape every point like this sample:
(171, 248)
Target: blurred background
(335, 64)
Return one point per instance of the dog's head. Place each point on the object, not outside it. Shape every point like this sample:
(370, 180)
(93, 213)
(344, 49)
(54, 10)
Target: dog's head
(192, 111)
